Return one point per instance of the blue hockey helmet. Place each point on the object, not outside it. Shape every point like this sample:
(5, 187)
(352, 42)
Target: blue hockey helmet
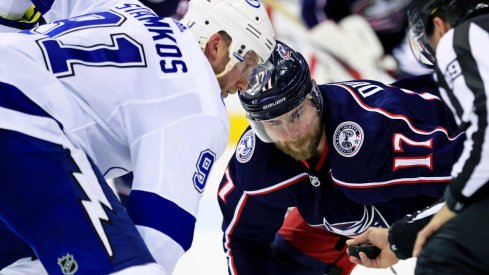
(274, 92)
(420, 16)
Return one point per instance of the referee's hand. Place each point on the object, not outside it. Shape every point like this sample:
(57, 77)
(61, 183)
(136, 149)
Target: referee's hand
(438, 220)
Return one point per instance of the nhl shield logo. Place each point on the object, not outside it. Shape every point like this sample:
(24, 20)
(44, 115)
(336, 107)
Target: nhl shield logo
(246, 147)
(314, 180)
(68, 264)
(348, 138)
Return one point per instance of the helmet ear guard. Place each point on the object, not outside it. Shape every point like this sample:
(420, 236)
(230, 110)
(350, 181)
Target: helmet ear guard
(245, 21)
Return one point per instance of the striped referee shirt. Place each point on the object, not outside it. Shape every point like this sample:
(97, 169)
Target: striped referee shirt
(463, 74)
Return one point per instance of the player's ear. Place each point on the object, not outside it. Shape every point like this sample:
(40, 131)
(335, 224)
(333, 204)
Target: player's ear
(217, 52)
(212, 47)
(441, 26)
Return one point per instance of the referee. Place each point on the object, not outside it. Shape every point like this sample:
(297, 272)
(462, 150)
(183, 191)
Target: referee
(456, 239)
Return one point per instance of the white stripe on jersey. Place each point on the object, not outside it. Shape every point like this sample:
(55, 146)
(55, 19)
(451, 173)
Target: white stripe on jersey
(227, 188)
(446, 100)
(480, 176)
(44, 128)
(428, 212)
(389, 182)
(229, 231)
(445, 55)
(278, 185)
(164, 249)
(466, 99)
(425, 96)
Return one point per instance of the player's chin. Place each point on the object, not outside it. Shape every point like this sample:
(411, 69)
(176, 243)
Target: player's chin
(225, 93)
(231, 92)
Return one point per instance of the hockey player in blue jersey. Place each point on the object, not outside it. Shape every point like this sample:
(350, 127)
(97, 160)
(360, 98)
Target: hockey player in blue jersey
(109, 89)
(347, 156)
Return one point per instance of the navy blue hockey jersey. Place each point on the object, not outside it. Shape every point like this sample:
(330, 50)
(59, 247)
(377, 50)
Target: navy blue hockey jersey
(389, 152)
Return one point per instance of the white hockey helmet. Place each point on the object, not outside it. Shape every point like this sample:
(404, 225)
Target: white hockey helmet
(245, 21)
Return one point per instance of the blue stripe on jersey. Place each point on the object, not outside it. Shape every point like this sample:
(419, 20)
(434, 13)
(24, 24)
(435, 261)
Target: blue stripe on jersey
(43, 6)
(169, 219)
(12, 98)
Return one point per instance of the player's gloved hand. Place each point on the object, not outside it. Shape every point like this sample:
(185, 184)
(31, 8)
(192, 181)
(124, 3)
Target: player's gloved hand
(377, 237)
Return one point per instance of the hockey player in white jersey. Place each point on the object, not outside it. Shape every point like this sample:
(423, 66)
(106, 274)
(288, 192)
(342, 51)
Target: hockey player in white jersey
(111, 90)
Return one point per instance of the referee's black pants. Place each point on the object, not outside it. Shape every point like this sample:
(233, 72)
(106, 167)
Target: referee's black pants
(461, 246)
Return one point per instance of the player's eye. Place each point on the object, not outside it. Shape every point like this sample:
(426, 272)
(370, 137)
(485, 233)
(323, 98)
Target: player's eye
(274, 123)
(295, 115)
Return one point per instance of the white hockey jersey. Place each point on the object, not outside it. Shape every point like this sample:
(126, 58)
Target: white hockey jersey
(136, 93)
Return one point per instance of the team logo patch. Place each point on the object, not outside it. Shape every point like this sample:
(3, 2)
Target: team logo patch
(246, 147)
(68, 264)
(371, 217)
(348, 138)
(284, 52)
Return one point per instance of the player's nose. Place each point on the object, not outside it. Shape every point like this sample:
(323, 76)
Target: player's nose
(242, 84)
(293, 133)
(243, 81)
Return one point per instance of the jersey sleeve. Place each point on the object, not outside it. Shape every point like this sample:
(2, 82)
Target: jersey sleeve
(171, 169)
(462, 70)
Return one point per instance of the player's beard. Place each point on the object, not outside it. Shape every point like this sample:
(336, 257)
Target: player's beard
(304, 148)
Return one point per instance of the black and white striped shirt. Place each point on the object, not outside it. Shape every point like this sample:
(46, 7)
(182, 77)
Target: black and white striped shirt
(463, 73)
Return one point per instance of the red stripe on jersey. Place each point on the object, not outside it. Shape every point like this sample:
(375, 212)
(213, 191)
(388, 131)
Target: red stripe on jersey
(323, 156)
(324, 153)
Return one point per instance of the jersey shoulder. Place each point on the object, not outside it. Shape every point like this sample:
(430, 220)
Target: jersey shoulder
(260, 165)
(367, 121)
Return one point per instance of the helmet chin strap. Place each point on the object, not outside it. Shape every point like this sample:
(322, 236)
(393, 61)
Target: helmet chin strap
(228, 68)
